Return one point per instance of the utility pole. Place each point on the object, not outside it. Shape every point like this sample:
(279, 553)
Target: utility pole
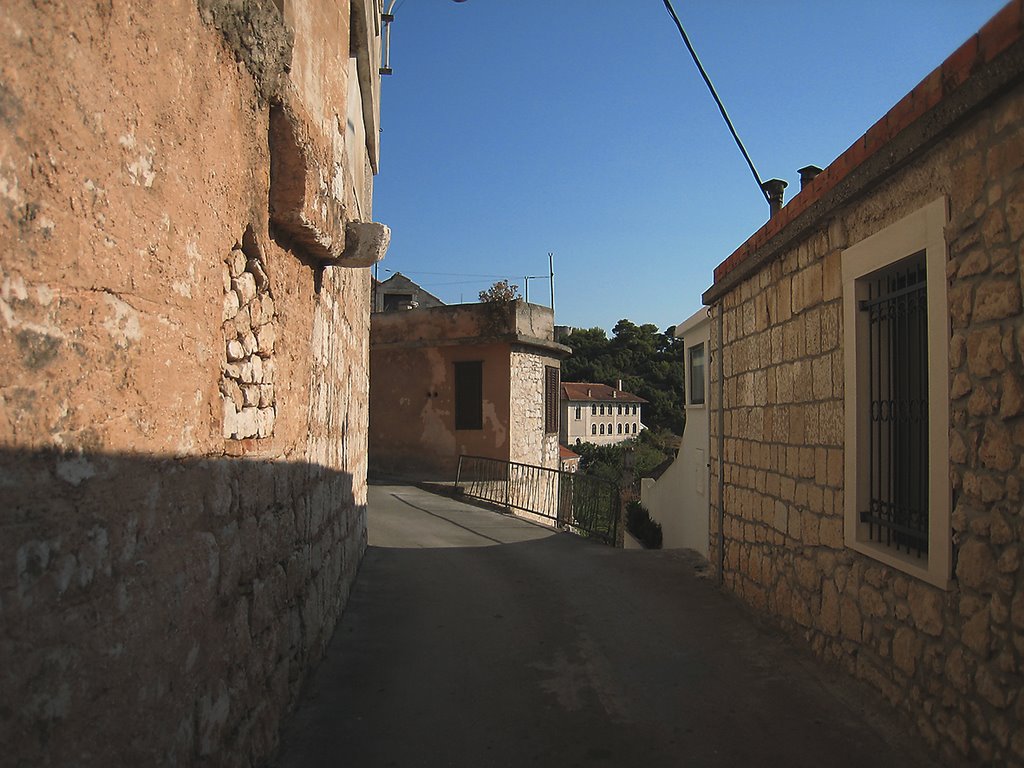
(551, 280)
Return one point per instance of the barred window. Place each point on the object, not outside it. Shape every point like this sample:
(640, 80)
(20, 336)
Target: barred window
(896, 308)
(897, 494)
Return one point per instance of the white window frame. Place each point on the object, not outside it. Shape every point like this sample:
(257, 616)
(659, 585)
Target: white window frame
(689, 374)
(923, 230)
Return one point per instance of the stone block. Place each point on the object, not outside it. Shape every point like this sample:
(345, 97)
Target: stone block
(997, 450)
(996, 300)
(905, 649)
(985, 356)
(975, 565)
(265, 340)
(245, 286)
(231, 306)
(235, 351)
(246, 424)
(926, 607)
(236, 263)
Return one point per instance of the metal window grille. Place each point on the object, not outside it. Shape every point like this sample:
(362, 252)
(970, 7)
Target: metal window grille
(897, 385)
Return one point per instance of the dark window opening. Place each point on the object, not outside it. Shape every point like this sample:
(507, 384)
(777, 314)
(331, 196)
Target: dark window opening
(395, 301)
(469, 395)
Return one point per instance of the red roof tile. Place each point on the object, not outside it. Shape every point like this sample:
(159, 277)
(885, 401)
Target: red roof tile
(583, 390)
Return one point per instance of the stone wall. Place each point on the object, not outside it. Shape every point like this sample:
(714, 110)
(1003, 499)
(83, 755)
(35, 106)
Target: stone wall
(183, 401)
(953, 659)
(528, 442)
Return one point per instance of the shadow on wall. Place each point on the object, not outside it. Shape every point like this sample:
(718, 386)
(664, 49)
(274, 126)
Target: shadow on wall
(159, 610)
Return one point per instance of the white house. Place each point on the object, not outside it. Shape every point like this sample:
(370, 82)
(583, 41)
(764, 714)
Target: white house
(679, 498)
(598, 414)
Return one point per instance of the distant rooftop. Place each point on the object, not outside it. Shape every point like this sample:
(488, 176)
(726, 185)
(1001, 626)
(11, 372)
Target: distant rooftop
(597, 392)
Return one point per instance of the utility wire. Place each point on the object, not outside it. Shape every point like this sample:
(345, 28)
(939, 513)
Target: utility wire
(718, 101)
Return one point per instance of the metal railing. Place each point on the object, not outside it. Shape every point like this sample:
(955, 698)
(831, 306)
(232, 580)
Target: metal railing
(582, 504)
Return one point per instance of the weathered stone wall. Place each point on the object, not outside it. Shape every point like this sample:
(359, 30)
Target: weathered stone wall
(528, 442)
(168, 570)
(953, 659)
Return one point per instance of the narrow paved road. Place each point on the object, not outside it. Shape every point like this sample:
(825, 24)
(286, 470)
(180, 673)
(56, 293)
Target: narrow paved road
(477, 639)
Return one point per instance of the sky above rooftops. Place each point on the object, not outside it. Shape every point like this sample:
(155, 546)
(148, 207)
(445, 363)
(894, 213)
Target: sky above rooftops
(515, 129)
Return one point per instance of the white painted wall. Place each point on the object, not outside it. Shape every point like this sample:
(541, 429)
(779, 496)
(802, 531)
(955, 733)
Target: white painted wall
(679, 499)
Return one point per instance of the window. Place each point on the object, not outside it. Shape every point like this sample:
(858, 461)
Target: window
(579, 410)
(609, 428)
(602, 429)
(593, 409)
(593, 429)
(469, 395)
(602, 409)
(634, 428)
(634, 410)
(550, 399)
(896, 390)
(620, 410)
(396, 301)
(695, 379)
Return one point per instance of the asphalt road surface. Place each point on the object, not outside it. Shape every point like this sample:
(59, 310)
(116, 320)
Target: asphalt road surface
(474, 638)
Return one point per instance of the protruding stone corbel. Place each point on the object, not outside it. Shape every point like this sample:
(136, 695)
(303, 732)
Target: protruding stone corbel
(366, 242)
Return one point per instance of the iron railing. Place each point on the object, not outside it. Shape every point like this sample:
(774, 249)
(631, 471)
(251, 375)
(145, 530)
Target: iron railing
(588, 506)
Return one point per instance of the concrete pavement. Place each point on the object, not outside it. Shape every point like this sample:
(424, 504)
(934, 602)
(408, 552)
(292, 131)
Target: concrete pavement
(476, 639)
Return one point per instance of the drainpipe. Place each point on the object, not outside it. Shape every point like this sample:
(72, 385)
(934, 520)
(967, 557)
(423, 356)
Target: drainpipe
(721, 445)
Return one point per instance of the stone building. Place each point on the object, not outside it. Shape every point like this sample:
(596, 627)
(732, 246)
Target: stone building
(186, 198)
(867, 391)
(399, 293)
(599, 413)
(466, 379)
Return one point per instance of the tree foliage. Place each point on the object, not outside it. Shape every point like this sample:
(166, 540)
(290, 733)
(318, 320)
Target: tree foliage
(649, 362)
(605, 461)
(500, 291)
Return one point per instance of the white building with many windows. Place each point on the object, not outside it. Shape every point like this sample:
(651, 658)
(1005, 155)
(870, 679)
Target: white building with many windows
(598, 413)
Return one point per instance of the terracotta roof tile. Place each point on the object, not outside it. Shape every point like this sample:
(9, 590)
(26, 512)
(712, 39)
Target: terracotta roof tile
(588, 391)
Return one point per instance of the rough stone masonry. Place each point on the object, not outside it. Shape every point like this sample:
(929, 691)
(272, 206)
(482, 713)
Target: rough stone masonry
(183, 399)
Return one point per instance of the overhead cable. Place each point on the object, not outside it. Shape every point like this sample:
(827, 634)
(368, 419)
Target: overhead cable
(714, 94)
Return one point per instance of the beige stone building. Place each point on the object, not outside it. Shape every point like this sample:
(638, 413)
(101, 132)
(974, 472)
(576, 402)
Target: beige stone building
(867, 406)
(465, 379)
(599, 413)
(185, 207)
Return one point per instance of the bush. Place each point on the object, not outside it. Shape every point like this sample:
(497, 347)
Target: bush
(640, 524)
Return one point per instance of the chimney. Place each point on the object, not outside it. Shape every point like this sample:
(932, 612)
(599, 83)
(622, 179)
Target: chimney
(807, 174)
(775, 189)
(590, 392)
(618, 385)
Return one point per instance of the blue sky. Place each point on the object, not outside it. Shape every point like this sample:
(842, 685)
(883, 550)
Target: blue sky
(515, 128)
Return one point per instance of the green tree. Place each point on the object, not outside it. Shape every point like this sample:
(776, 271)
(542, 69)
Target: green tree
(649, 362)
(501, 291)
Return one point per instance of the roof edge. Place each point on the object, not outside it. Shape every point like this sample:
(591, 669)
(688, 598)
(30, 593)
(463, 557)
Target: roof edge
(988, 63)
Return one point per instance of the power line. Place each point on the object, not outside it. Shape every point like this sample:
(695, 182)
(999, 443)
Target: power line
(718, 101)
